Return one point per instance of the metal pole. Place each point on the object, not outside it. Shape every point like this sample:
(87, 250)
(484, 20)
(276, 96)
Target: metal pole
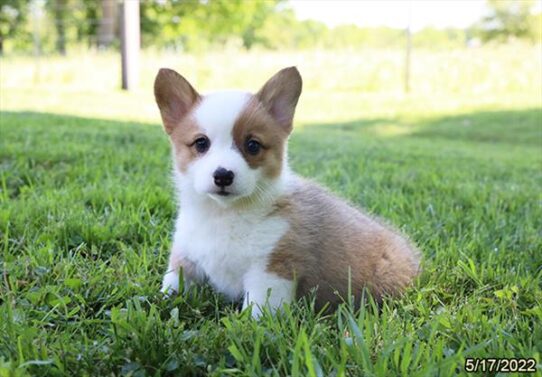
(129, 43)
(408, 49)
(36, 34)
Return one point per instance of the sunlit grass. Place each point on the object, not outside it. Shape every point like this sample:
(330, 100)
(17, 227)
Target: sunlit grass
(511, 68)
(338, 85)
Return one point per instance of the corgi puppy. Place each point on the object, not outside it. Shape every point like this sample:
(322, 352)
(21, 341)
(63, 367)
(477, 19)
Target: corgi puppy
(251, 227)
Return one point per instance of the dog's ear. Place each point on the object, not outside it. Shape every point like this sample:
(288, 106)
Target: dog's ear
(280, 94)
(174, 96)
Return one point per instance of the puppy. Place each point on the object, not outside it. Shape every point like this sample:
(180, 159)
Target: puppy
(247, 223)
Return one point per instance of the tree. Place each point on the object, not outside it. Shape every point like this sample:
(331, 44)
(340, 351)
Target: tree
(508, 19)
(73, 20)
(59, 12)
(162, 22)
(195, 24)
(106, 31)
(12, 17)
(87, 27)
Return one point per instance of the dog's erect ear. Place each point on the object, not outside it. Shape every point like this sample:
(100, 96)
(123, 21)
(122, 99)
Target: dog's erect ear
(174, 96)
(279, 96)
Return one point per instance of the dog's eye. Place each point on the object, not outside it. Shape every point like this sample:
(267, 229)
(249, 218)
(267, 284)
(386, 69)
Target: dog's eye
(202, 144)
(253, 147)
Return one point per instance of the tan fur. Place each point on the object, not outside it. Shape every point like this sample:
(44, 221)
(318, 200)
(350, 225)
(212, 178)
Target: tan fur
(175, 97)
(256, 123)
(328, 240)
(280, 94)
(182, 139)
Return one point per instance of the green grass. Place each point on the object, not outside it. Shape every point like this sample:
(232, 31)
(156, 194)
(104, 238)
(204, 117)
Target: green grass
(86, 212)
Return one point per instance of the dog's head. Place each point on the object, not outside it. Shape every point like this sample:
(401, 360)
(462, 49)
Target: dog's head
(228, 145)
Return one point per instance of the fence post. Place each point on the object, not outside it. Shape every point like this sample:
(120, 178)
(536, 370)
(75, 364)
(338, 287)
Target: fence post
(408, 48)
(37, 14)
(129, 43)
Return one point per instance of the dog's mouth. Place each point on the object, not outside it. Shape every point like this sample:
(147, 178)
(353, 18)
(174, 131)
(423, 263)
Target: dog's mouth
(223, 192)
(222, 195)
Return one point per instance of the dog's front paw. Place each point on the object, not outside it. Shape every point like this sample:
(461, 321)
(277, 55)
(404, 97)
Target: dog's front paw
(170, 284)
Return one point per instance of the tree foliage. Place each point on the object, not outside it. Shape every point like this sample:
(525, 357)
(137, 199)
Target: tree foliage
(191, 25)
(196, 24)
(510, 19)
(12, 16)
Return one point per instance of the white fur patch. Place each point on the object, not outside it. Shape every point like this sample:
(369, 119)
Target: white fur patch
(170, 282)
(226, 245)
(217, 112)
(264, 288)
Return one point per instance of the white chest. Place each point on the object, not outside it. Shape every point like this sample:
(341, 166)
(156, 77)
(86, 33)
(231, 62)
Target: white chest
(225, 247)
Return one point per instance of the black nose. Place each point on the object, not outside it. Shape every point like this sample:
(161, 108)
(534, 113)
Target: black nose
(223, 177)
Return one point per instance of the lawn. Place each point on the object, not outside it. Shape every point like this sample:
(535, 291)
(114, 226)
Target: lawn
(87, 206)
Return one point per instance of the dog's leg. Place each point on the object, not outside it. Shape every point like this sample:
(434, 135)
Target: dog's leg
(191, 272)
(170, 282)
(264, 288)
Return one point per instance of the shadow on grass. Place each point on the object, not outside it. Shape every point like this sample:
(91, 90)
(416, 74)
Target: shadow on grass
(31, 118)
(508, 126)
(518, 127)
(53, 137)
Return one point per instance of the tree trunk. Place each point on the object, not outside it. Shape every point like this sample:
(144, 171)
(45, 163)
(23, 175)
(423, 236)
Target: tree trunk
(60, 11)
(106, 32)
